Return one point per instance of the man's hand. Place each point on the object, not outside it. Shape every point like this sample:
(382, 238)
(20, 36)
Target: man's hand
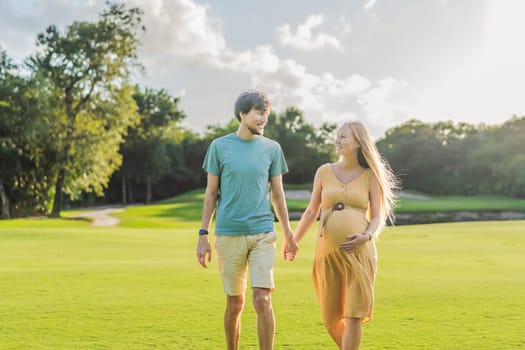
(203, 249)
(290, 247)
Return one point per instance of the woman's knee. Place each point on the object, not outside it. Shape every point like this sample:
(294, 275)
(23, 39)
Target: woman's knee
(334, 324)
(353, 322)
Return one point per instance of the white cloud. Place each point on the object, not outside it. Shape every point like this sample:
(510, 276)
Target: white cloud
(186, 34)
(326, 98)
(304, 37)
(293, 85)
(370, 9)
(185, 40)
(369, 5)
(376, 102)
(345, 27)
(259, 60)
(183, 29)
(183, 32)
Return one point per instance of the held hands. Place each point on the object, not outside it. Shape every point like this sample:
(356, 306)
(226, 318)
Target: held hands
(290, 247)
(353, 242)
(203, 249)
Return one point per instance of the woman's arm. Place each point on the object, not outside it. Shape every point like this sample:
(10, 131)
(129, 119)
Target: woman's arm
(375, 208)
(312, 211)
(355, 241)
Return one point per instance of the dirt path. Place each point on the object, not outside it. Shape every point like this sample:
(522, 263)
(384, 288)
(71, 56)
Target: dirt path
(297, 194)
(102, 216)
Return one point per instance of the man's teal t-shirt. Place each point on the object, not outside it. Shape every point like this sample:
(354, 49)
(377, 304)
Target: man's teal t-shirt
(244, 169)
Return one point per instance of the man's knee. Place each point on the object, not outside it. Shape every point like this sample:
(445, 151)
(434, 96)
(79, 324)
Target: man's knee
(235, 304)
(262, 300)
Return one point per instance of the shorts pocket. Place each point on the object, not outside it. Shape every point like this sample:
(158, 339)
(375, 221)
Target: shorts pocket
(270, 237)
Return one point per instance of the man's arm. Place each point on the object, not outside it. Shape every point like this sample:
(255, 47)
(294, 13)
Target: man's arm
(279, 205)
(208, 207)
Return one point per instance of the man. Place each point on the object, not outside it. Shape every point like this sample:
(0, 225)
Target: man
(240, 166)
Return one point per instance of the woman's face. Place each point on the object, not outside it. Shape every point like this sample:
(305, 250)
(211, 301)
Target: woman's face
(345, 143)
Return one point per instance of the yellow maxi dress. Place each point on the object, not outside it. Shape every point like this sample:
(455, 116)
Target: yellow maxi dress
(344, 282)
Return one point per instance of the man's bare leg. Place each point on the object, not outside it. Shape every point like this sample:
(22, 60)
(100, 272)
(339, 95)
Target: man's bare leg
(232, 320)
(262, 303)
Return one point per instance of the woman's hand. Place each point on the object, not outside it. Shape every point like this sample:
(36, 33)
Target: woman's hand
(353, 242)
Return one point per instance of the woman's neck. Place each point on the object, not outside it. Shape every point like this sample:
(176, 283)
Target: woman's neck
(349, 162)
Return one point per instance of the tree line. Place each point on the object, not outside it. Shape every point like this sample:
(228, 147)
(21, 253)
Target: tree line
(458, 158)
(75, 130)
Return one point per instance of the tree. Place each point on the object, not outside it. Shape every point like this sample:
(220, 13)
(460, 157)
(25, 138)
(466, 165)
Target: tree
(305, 146)
(147, 149)
(458, 158)
(6, 91)
(24, 143)
(87, 69)
(498, 159)
(417, 153)
(214, 131)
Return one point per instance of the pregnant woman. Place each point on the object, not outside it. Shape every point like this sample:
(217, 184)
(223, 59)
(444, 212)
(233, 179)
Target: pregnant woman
(355, 196)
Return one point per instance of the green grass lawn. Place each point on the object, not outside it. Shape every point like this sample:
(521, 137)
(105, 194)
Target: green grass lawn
(65, 285)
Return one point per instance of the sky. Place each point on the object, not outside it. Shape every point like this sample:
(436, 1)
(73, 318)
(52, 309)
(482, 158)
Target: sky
(379, 61)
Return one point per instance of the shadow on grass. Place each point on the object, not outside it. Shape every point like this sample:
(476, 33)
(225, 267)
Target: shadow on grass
(74, 219)
(185, 207)
(182, 211)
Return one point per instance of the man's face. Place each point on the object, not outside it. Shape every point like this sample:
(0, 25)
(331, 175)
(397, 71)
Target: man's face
(255, 120)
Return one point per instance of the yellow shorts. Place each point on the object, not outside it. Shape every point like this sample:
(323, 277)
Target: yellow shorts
(237, 254)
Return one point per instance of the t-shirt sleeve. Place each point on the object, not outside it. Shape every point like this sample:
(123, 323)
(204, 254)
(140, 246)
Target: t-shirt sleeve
(211, 162)
(279, 165)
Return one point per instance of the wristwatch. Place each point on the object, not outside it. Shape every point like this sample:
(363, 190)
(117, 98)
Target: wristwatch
(203, 232)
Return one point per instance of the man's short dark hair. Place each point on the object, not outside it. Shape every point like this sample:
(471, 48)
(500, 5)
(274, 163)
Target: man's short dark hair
(249, 100)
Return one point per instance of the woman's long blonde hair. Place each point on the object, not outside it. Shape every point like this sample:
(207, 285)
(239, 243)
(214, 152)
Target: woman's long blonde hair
(369, 157)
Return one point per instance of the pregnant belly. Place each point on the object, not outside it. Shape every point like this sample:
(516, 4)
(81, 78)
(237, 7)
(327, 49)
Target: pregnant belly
(343, 223)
